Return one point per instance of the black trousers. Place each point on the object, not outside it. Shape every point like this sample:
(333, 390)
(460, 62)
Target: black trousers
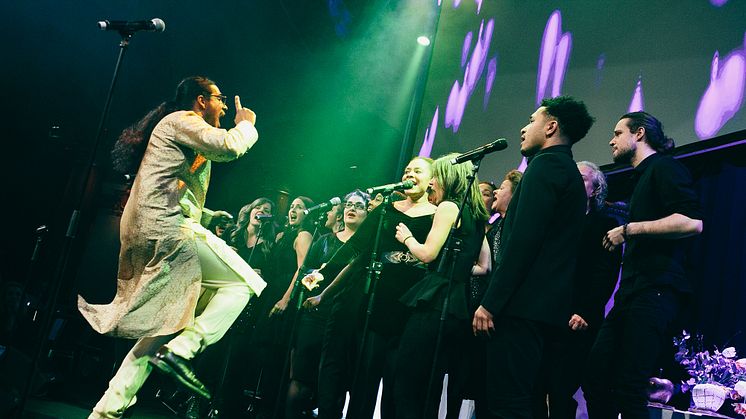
(562, 371)
(415, 362)
(338, 357)
(626, 352)
(513, 361)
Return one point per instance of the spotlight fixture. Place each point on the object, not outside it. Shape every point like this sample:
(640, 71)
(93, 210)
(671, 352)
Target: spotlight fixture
(423, 40)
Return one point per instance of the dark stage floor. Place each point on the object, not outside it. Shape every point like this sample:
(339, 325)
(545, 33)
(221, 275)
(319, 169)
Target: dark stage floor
(47, 409)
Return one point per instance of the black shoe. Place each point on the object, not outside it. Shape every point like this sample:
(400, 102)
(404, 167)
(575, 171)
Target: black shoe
(179, 369)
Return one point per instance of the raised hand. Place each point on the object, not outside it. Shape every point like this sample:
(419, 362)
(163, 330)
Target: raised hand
(244, 114)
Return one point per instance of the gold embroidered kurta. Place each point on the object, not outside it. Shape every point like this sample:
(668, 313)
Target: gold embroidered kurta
(159, 271)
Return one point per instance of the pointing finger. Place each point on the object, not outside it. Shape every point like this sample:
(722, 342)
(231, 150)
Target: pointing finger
(238, 102)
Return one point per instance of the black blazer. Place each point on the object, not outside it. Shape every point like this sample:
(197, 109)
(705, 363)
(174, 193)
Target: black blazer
(543, 224)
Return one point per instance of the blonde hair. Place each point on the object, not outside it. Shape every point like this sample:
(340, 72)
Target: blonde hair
(454, 179)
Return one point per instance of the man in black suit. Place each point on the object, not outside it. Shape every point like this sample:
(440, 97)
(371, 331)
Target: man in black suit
(529, 297)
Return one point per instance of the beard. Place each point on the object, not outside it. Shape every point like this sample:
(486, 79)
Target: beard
(624, 156)
(214, 118)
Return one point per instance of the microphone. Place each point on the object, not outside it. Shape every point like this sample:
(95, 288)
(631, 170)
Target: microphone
(324, 205)
(391, 187)
(479, 152)
(152, 25)
(264, 217)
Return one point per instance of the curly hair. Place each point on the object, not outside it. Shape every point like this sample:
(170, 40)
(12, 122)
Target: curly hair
(599, 184)
(654, 135)
(514, 177)
(572, 116)
(132, 142)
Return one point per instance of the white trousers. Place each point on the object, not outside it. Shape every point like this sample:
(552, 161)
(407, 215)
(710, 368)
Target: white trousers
(224, 295)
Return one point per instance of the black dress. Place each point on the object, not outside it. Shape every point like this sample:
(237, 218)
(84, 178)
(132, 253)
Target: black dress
(400, 270)
(418, 342)
(310, 329)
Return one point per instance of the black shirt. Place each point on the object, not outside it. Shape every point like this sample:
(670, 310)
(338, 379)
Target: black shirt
(663, 187)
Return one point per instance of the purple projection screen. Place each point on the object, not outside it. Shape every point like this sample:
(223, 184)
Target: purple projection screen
(493, 63)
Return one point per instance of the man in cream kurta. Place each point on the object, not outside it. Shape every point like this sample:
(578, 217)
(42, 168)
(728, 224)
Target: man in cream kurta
(179, 287)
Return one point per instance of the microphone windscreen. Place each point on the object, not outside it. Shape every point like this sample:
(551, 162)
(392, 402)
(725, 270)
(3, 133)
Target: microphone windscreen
(159, 24)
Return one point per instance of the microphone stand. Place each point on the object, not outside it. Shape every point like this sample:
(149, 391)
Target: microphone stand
(295, 294)
(371, 284)
(450, 252)
(63, 263)
(216, 404)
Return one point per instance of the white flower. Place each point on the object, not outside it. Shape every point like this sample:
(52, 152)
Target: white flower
(729, 352)
(740, 387)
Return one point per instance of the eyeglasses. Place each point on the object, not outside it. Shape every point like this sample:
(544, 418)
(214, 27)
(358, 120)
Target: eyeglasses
(356, 205)
(221, 98)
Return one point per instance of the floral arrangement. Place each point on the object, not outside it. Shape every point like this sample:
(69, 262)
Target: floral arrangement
(719, 368)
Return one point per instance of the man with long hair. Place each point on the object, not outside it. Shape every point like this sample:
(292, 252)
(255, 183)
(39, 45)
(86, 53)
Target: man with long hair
(179, 287)
(529, 295)
(663, 211)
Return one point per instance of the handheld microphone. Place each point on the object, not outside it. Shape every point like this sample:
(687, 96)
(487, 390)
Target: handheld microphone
(264, 217)
(324, 205)
(479, 152)
(391, 187)
(152, 25)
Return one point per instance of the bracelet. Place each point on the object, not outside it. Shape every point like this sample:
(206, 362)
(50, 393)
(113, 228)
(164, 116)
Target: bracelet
(404, 242)
(624, 231)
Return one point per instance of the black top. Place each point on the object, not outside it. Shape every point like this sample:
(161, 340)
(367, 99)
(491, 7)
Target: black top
(321, 251)
(282, 264)
(431, 291)
(539, 241)
(597, 269)
(494, 240)
(400, 268)
(257, 259)
(663, 187)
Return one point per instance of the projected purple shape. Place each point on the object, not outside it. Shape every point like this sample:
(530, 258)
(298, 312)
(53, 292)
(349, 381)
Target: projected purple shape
(461, 92)
(490, 81)
(553, 58)
(427, 145)
(522, 167)
(457, 3)
(600, 64)
(718, 3)
(638, 100)
(724, 95)
(465, 49)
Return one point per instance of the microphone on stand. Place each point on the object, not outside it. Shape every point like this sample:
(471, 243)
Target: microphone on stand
(479, 152)
(264, 217)
(391, 187)
(324, 205)
(152, 25)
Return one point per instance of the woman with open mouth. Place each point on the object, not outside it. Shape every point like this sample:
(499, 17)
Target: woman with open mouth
(306, 351)
(399, 270)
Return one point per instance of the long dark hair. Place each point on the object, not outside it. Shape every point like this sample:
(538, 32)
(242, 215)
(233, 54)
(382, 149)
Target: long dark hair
(307, 224)
(653, 130)
(132, 142)
(238, 236)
